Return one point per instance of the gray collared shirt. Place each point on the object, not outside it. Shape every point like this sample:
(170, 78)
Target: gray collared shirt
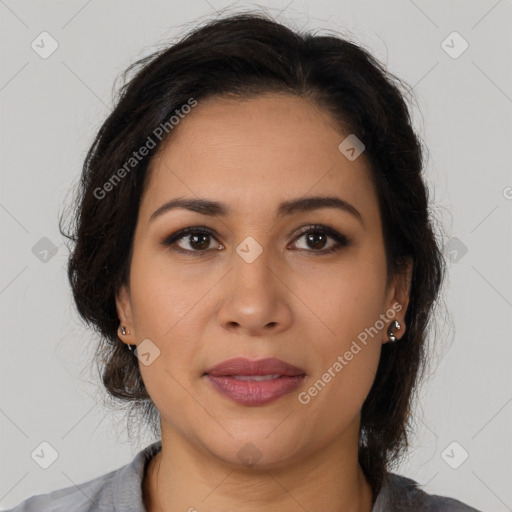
(121, 491)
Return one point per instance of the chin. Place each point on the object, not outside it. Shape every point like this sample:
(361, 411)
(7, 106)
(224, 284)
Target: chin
(257, 451)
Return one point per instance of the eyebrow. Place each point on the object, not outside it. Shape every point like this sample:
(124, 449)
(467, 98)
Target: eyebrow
(215, 208)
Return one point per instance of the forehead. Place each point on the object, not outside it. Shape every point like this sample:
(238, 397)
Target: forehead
(255, 153)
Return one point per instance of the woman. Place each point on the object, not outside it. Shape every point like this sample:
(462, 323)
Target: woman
(253, 242)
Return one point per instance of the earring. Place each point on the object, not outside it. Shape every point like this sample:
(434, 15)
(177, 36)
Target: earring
(124, 332)
(395, 324)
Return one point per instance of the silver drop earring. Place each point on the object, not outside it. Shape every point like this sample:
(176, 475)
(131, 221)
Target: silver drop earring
(395, 324)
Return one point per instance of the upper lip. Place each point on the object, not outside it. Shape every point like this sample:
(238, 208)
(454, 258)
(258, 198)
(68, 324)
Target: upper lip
(243, 366)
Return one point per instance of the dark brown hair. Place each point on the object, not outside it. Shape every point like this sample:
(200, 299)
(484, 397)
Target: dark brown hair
(244, 55)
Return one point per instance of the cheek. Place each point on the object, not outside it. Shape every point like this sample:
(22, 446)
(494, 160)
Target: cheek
(170, 307)
(347, 302)
(346, 297)
(162, 296)
(342, 379)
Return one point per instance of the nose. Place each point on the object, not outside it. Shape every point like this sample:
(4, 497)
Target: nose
(255, 298)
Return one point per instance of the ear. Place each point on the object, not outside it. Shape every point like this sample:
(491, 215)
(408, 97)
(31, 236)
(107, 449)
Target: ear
(124, 312)
(398, 298)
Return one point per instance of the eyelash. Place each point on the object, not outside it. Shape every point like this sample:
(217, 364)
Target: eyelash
(342, 240)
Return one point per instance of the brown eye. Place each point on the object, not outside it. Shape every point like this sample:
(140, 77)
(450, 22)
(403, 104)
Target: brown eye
(190, 240)
(316, 238)
(198, 241)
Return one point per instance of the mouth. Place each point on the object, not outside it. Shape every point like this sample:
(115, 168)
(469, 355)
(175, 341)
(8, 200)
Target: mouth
(253, 383)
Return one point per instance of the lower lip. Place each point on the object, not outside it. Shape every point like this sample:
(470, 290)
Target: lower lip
(253, 392)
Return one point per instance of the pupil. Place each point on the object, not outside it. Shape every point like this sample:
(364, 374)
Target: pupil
(201, 245)
(315, 238)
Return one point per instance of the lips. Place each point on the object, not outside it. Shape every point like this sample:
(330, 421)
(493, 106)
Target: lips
(245, 367)
(253, 383)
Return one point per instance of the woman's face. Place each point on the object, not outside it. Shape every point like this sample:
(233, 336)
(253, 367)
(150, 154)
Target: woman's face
(258, 287)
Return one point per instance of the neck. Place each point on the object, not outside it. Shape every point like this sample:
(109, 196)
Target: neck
(179, 479)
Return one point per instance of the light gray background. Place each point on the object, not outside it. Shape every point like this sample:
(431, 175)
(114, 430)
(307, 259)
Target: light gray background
(50, 110)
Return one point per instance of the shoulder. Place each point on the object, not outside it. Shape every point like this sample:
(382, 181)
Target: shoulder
(93, 495)
(404, 494)
(118, 490)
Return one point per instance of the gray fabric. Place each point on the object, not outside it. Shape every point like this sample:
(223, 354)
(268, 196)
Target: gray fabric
(402, 494)
(121, 491)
